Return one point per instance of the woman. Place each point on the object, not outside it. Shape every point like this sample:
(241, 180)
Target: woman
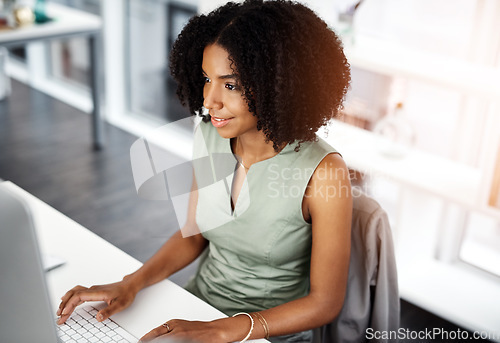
(277, 243)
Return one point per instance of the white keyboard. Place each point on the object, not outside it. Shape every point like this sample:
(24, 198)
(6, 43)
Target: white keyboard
(82, 326)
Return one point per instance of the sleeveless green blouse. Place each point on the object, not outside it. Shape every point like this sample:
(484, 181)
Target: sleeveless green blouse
(259, 254)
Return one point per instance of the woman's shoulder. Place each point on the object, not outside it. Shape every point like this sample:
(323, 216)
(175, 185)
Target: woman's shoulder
(321, 145)
(316, 149)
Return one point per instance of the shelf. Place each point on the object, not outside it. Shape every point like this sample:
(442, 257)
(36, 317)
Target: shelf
(439, 176)
(393, 59)
(66, 21)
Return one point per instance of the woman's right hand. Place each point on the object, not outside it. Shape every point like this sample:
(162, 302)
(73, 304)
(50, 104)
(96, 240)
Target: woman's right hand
(117, 295)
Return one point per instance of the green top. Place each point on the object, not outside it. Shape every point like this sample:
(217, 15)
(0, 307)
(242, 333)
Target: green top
(259, 255)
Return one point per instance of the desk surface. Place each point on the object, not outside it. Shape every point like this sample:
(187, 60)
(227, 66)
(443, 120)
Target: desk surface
(67, 21)
(92, 260)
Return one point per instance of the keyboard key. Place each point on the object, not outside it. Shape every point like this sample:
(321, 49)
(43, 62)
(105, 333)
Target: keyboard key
(85, 315)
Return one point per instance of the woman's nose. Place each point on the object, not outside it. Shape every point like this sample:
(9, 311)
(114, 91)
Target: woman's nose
(212, 99)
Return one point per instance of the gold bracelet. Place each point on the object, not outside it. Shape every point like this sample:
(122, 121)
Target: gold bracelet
(263, 321)
(260, 320)
(251, 326)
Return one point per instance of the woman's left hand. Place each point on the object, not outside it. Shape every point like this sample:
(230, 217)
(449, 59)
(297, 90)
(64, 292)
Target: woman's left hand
(178, 329)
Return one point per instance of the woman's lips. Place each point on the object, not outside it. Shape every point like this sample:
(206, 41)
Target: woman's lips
(220, 122)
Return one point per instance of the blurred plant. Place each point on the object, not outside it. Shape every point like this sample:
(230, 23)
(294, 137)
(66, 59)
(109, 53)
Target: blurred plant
(40, 14)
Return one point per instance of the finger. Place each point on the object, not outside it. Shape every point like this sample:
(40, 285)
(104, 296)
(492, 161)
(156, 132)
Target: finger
(156, 332)
(63, 318)
(64, 310)
(79, 297)
(66, 313)
(67, 308)
(66, 297)
(114, 307)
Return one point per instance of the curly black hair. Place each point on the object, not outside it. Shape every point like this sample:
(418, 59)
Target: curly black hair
(290, 65)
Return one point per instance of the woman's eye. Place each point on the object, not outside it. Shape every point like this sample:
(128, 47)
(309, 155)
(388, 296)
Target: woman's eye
(231, 87)
(206, 79)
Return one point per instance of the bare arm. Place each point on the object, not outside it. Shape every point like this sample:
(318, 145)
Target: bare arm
(330, 212)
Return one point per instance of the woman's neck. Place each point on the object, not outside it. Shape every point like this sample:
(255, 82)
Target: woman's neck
(253, 148)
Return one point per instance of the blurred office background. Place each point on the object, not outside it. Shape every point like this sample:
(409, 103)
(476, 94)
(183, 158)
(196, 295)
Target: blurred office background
(425, 87)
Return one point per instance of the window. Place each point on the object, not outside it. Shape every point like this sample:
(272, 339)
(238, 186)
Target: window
(455, 125)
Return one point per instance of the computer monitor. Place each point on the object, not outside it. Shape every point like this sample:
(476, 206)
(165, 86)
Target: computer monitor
(25, 308)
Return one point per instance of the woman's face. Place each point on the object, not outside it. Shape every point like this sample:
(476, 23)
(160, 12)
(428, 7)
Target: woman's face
(223, 96)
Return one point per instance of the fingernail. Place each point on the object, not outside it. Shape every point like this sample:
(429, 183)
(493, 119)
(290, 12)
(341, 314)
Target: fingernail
(65, 311)
(58, 312)
(100, 317)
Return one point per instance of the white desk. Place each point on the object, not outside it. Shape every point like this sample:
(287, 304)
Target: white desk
(67, 22)
(92, 260)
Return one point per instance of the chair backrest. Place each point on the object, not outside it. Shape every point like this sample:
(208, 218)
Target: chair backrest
(372, 298)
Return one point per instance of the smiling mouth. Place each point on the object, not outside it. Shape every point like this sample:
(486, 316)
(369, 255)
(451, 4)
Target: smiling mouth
(220, 119)
(220, 122)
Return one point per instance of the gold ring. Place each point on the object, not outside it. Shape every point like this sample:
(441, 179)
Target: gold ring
(166, 326)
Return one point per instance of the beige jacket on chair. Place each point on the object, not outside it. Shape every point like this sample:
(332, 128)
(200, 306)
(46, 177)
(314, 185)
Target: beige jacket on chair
(372, 299)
